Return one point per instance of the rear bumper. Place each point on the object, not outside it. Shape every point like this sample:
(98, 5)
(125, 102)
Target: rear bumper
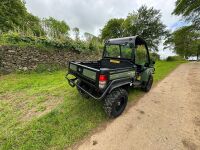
(112, 85)
(72, 83)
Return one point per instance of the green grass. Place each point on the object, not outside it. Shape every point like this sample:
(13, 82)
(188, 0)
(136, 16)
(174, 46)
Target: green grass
(163, 68)
(41, 111)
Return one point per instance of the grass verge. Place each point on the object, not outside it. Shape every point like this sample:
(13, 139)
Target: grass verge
(41, 111)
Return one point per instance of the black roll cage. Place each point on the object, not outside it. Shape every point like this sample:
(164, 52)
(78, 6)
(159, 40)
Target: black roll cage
(135, 40)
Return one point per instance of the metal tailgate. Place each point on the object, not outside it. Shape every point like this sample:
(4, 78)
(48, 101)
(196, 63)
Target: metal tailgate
(83, 71)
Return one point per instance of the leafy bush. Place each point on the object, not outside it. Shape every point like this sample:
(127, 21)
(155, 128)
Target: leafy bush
(80, 46)
(95, 46)
(174, 58)
(43, 42)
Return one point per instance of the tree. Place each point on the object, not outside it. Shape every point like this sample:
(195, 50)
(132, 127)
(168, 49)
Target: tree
(113, 29)
(12, 13)
(76, 33)
(14, 17)
(145, 23)
(88, 36)
(32, 25)
(190, 10)
(196, 44)
(150, 27)
(55, 29)
(95, 43)
(186, 42)
(182, 45)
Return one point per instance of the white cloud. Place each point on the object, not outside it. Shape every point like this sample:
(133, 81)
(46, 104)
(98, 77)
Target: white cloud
(90, 15)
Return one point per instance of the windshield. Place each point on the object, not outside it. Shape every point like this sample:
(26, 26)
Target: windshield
(118, 51)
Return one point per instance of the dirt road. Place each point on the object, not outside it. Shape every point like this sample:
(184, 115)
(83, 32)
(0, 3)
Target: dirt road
(167, 118)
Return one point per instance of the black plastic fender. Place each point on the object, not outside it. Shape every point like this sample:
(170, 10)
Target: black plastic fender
(120, 84)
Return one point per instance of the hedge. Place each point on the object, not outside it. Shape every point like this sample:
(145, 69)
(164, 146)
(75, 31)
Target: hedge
(44, 42)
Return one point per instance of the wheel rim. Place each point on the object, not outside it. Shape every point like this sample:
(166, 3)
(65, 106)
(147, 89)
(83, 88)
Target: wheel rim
(120, 105)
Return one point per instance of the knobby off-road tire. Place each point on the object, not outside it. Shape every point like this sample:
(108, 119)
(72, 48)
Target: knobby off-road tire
(148, 84)
(116, 102)
(80, 91)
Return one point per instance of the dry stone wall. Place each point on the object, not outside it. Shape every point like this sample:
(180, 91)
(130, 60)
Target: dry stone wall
(14, 58)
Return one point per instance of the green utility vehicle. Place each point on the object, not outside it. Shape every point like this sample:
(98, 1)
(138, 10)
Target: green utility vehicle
(125, 63)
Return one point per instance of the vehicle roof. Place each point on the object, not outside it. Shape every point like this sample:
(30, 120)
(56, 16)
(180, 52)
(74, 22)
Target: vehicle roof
(136, 40)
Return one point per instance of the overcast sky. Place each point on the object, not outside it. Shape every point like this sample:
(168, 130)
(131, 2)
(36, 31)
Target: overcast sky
(91, 15)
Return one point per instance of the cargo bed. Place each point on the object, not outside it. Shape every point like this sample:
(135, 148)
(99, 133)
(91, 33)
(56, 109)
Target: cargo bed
(91, 70)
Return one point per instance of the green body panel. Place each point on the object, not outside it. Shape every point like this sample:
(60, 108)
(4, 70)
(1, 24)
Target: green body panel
(89, 74)
(73, 67)
(122, 75)
(145, 74)
(86, 72)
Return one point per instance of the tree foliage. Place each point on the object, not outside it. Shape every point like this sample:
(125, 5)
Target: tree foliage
(146, 22)
(113, 29)
(76, 33)
(185, 41)
(95, 43)
(12, 13)
(190, 10)
(32, 26)
(88, 36)
(55, 29)
(150, 27)
(14, 17)
(129, 24)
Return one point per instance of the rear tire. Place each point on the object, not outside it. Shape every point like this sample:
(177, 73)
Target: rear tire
(80, 91)
(148, 84)
(116, 102)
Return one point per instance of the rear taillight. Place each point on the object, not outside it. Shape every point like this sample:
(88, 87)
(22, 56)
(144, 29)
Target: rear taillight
(102, 81)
